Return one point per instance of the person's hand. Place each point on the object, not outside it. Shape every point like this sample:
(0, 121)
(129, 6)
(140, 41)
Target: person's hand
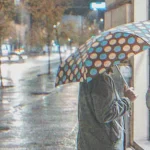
(130, 93)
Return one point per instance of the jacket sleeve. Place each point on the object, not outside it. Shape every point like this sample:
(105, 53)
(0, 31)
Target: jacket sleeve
(106, 107)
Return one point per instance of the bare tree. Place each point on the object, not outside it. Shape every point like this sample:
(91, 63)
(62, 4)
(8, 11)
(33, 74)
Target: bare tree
(7, 11)
(45, 14)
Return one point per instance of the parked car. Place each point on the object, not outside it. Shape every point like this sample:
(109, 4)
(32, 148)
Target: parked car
(13, 57)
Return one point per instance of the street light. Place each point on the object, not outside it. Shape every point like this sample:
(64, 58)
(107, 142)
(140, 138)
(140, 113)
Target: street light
(57, 39)
(101, 24)
(101, 20)
(70, 42)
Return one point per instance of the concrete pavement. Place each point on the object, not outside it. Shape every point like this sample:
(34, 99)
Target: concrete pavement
(30, 120)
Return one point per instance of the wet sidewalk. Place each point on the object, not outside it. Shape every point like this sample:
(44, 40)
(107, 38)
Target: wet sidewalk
(34, 115)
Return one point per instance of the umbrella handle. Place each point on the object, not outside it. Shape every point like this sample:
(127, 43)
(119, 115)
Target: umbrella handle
(130, 111)
(122, 76)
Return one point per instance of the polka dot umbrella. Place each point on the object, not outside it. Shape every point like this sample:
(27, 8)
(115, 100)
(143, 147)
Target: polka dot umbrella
(109, 48)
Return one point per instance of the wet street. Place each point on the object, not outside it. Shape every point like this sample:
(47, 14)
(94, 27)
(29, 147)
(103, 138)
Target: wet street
(34, 115)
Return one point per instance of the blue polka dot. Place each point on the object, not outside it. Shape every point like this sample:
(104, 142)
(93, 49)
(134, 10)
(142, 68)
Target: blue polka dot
(91, 50)
(93, 72)
(116, 62)
(88, 63)
(74, 66)
(100, 39)
(80, 65)
(117, 35)
(88, 79)
(146, 47)
(121, 56)
(104, 43)
(64, 78)
(77, 58)
(99, 49)
(126, 34)
(66, 68)
(79, 75)
(131, 40)
(105, 33)
(103, 56)
(74, 79)
(117, 48)
(76, 54)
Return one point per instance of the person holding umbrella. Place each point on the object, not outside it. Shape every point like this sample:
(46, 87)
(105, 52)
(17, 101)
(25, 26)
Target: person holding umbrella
(100, 114)
(101, 110)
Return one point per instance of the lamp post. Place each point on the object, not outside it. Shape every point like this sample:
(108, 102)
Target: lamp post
(1, 79)
(101, 24)
(57, 39)
(70, 42)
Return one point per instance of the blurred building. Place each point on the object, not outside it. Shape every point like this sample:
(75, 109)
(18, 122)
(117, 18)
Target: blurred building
(77, 20)
(82, 8)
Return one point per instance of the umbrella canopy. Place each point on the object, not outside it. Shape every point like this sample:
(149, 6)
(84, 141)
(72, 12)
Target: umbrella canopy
(109, 48)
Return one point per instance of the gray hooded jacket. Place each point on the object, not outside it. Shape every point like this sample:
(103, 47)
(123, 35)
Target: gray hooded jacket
(100, 115)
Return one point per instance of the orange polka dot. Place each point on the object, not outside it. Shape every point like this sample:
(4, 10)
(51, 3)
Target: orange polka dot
(82, 70)
(82, 46)
(108, 37)
(69, 59)
(136, 48)
(140, 41)
(71, 62)
(84, 75)
(121, 40)
(86, 71)
(61, 73)
(98, 63)
(88, 41)
(67, 81)
(107, 49)
(107, 63)
(112, 56)
(102, 70)
(71, 76)
(126, 48)
(76, 71)
(130, 55)
(82, 50)
(95, 44)
(84, 56)
(93, 56)
(68, 72)
(81, 79)
(112, 42)
(79, 60)
(84, 59)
